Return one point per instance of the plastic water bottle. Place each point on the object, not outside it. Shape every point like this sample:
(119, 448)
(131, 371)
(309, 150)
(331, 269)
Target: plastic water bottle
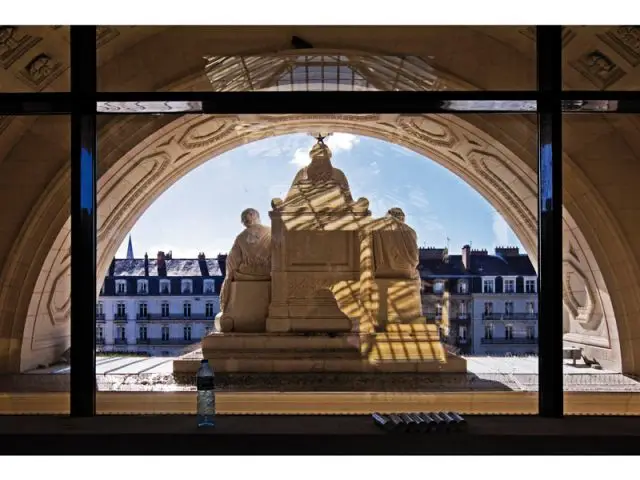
(206, 395)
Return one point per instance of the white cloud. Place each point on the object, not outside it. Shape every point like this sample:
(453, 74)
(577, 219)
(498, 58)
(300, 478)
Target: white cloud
(501, 230)
(337, 142)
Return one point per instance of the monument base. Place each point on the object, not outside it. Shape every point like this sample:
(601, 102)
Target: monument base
(403, 348)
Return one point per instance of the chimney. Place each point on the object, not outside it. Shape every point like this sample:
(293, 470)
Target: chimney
(162, 265)
(507, 251)
(201, 256)
(222, 263)
(466, 257)
(169, 255)
(146, 265)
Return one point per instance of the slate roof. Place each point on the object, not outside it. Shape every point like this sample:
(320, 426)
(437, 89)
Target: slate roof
(177, 267)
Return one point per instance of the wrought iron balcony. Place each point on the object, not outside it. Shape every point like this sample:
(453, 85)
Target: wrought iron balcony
(510, 341)
(120, 317)
(100, 317)
(510, 316)
(99, 341)
(143, 341)
(180, 316)
(120, 341)
(142, 316)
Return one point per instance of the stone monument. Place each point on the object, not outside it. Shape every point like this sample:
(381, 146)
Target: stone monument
(248, 276)
(328, 288)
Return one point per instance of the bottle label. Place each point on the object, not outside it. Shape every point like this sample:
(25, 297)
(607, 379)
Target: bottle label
(205, 383)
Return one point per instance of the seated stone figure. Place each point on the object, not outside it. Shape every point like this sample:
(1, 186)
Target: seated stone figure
(245, 293)
(394, 291)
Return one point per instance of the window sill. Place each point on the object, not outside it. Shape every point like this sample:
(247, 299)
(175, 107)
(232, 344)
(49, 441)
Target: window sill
(312, 434)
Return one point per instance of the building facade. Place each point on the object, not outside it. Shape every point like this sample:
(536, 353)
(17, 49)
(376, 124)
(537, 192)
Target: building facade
(485, 304)
(157, 307)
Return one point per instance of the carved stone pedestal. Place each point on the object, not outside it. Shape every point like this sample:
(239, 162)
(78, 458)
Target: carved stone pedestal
(406, 348)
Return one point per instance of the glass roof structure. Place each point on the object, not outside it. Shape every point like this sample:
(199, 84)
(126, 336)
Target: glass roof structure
(321, 71)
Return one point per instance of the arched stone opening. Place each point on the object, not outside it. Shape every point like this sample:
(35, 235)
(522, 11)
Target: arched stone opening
(476, 148)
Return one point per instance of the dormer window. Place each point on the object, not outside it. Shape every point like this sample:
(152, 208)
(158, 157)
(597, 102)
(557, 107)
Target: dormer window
(121, 287)
(530, 285)
(208, 286)
(509, 285)
(488, 285)
(463, 287)
(438, 286)
(187, 287)
(143, 287)
(165, 287)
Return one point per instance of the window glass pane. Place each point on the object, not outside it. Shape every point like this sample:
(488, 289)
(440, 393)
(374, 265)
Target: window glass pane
(316, 58)
(601, 252)
(450, 268)
(601, 57)
(34, 58)
(35, 260)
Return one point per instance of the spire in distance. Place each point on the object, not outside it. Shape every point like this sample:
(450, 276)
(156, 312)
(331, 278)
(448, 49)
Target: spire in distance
(130, 250)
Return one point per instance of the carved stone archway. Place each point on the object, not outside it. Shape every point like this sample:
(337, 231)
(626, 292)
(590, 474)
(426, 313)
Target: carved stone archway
(132, 182)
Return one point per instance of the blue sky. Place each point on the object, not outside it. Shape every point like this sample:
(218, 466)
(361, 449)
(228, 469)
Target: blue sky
(201, 212)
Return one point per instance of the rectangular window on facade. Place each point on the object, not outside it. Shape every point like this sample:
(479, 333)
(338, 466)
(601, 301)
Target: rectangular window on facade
(530, 286)
(143, 287)
(187, 309)
(187, 287)
(531, 309)
(508, 308)
(509, 285)
(121, 287)
(209, 286)
(508, 332)
(164, 309)
(121, 333)
(208, 309)
(438, 309)
(462, 308)
(187, 333)
(165, 287)
(121, 310)
(142, 310)
(99, 333)
(165, 334)
(99, 308)
(463, 287)
(462, 332)
(488, 286)
(488, 308)
(488, 332)
(143, 333)
(531, 332)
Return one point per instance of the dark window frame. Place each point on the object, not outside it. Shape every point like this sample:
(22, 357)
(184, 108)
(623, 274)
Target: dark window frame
(81, 103)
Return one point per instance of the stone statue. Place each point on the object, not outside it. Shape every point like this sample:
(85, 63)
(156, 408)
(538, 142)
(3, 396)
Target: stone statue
(390, 282)
(248, 275)
(319, 171)
(395, 248)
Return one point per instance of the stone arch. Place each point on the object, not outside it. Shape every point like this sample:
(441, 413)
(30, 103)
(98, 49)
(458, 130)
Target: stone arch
(137, 177)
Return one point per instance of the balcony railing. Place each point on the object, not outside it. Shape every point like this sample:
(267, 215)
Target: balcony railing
(143, 292)
(100, 317)
(142, 316)
(509, 316)
(120, 317)
(99, 341)
(120, 341)
(510, 341)
(180, 316)
(143, 341)
(461, 317)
